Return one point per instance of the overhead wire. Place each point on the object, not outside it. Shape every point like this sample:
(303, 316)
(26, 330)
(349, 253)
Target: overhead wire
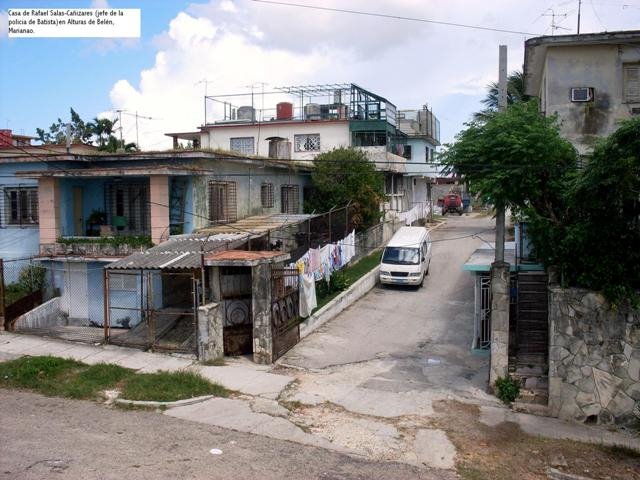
(394, 17)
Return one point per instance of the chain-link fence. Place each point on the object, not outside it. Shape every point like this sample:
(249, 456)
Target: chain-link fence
(56, 299)
(24, 283)
(152, 309)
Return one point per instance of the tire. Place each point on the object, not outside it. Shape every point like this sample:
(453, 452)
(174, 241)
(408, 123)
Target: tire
(421, 282)
(428, 267)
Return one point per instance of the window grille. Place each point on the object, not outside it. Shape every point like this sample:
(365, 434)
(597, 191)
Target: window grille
(266, 195)
(20, 206)
(632, 83)
(127, 207)
(290, 199)
(307, 143)
(242, 145)
(222, 202)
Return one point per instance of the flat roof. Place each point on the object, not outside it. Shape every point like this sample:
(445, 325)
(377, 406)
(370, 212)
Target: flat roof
(245, 257)
(259, 224)
(483, 257)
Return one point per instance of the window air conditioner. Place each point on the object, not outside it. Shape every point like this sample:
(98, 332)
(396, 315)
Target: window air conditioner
(581, 94)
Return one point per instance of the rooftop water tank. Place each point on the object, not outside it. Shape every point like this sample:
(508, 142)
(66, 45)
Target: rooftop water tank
(312, 111)
(245, 113)
(284, 111)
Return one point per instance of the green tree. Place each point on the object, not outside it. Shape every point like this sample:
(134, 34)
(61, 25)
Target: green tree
(516, 159)
(345, 175)
(99, 132)
(81, 132)
(515, 94)
(598, 248)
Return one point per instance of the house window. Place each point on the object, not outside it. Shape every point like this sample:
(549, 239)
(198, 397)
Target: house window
(266, 195)
(127, 206)
(242, 145)
(393, 184)
(21, 206)
(290, 199)
(632, 83)
(406, 151)
(123, 282)
(222, 202)
(307, 143)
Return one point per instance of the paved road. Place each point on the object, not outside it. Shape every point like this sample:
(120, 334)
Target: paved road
(44, 438)
(424, 335)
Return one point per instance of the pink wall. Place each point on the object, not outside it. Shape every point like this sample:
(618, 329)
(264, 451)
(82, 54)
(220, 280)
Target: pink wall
(49, 209)
(159, 199)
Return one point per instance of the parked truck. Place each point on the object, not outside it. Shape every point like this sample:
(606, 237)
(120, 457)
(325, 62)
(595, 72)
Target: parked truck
(452, 204)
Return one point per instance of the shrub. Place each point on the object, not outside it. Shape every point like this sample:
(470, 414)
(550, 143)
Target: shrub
(507, 389)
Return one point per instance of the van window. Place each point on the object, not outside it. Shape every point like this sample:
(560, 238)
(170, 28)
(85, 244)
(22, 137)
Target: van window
(401, 256)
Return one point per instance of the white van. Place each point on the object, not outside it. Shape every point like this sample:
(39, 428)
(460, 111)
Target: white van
(406, 258)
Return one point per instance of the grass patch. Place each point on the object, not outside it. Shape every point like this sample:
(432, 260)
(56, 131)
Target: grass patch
(60, 377)
(54, 376)
(351, 275)
(169, 387)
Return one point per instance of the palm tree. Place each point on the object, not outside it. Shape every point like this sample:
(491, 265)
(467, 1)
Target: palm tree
(515, 94)
(103, 129)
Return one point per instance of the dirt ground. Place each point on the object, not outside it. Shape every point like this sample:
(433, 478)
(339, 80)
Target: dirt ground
(505, 452)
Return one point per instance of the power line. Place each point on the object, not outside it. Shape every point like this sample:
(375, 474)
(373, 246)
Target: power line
(394, 17)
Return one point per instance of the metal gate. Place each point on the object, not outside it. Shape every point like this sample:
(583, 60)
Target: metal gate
(152, 310)
(482, 337)
(285, 319)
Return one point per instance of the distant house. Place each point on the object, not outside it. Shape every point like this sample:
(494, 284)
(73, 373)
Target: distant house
(312, 119)
(422, 128)
(591, 81)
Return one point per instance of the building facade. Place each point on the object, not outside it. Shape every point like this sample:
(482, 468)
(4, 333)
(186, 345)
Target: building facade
(591, 81)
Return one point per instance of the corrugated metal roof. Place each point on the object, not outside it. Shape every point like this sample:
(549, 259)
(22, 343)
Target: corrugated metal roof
(181, 252)
(259, 224)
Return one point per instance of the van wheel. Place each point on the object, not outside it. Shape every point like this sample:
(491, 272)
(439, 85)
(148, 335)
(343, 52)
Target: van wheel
(421, 283)
(428, 266)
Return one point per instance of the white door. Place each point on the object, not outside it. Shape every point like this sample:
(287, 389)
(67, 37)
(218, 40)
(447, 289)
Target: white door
(75, 296)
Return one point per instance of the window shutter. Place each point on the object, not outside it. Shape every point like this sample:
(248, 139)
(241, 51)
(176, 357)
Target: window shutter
(632, 83)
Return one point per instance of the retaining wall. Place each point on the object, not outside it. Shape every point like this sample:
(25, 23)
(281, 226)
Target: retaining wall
(594, 359)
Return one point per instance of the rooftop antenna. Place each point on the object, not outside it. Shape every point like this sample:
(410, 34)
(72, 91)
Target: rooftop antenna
(579, 8)
(555, 25)
(206, 84)
(120, 148)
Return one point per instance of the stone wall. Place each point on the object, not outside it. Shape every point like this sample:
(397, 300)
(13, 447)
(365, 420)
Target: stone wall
(210, 339)
(594, 359)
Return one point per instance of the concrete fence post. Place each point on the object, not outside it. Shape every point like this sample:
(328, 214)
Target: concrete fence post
(500, 284)
(210, 331)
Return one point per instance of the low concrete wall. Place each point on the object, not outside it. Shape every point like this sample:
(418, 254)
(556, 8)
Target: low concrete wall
(46, 315)
(210, 340)
(594, 359)
(347, 298)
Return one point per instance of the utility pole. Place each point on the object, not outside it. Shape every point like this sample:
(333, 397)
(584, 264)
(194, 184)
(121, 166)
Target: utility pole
(502, 106)
(137, 140)
(121, 147)
(500, 270)
(579, 8)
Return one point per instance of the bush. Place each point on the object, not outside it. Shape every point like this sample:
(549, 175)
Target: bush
(32, 278)
(507, 389)
(338, 282)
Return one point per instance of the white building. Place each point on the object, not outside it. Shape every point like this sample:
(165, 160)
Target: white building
(309, 120)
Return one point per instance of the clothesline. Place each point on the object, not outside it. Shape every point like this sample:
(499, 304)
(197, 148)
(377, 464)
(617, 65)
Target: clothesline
(319, 263)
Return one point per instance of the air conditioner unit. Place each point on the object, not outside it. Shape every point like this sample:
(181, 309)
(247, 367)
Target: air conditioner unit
(582, 94)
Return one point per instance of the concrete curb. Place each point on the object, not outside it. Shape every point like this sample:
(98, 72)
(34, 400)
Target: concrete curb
(177, 403)
(347, 298)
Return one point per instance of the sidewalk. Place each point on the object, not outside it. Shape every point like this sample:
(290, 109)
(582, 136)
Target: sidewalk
(238, 374)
